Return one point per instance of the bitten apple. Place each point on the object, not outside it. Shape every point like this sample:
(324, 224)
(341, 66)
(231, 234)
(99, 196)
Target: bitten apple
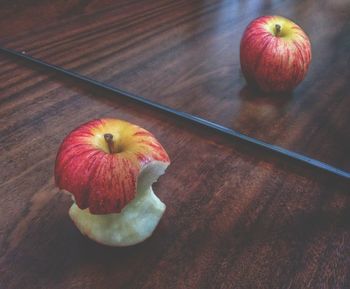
(275, 54)
(109, 165)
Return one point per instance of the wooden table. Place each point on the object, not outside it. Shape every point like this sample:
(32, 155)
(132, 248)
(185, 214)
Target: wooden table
(237, 217)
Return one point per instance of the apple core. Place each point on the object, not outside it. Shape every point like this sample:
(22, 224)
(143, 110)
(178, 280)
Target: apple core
(109, 166)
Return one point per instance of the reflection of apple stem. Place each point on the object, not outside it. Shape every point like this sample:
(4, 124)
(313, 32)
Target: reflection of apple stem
(278, 29)
(109, 139)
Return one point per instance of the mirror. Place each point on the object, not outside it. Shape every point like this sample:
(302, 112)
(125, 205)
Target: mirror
(185, 55)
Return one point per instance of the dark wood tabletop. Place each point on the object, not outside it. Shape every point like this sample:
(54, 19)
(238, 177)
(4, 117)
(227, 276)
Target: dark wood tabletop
(237, 216)
(185, 54)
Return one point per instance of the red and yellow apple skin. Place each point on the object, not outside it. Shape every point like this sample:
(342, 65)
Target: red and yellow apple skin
(102, 181)
(275, 54)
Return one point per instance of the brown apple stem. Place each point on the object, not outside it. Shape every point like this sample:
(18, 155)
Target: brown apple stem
(278, 29)
(109, 139)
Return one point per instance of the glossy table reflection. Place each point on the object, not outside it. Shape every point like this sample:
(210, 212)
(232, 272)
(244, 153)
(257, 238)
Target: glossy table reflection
(185, 54)
(236, 217)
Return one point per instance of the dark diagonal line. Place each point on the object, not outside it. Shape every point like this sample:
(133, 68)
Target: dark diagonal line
(188, 117)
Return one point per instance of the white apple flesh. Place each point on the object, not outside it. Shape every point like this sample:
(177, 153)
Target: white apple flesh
(135, 223)
(122, 215)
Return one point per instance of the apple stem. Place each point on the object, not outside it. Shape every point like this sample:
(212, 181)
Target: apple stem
(109, 139)
(278, 29)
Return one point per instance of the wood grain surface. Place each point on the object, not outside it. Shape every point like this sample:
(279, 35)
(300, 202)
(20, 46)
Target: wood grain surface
(235, 218)
(184, 54)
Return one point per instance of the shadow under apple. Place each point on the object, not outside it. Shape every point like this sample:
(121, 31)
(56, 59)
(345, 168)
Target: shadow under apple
(259, 111)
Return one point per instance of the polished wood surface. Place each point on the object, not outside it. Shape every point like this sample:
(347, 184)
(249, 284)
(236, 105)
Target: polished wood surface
(18, 16)
(236, 217)
(185, 54)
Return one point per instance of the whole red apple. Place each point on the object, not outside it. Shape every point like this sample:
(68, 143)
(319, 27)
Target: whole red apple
(275, 54)
(109, 165)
